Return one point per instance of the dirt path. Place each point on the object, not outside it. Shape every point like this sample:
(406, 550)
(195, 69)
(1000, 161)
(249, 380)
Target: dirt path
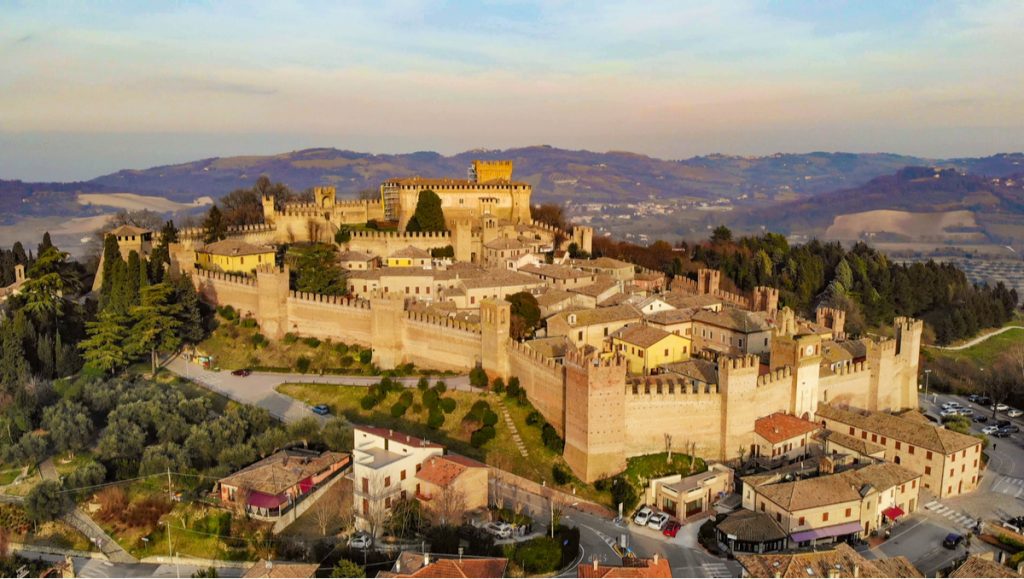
(979, 339)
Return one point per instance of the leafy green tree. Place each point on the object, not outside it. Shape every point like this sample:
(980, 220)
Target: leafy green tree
(319, 272)
(214, 226)
(478, 377)
(844, 276)
(525, 314)
(306, 429)
(121, 439)
(133, 277)
(272, 440)
(14, 369)
(46, 502)
(346, 568)
(337, 435)
(69, 426)
(428, 215)
(343, 236)
(104, 349)
(51, 279)
(191, 316)
(156, 324)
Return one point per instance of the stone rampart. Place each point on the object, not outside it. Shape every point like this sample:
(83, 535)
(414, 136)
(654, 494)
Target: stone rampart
(543, 379)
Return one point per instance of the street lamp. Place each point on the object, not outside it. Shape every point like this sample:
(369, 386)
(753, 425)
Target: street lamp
(927, 374)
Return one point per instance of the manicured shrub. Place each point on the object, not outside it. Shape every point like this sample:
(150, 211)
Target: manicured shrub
(312, 342)
(228, 313)
(398, 409)
(430, 399)
(302, 364)
(406, 398)
(290, 339)
(341, 348)
(441, 387)
(623, 492)
(538, 556)
(490, 418)
(365, 356)
(513, 382)
(560, 475)
(498, 385)
(551, 438)
(368, 402)
(448, 405)
(533, 418)
(481, 436)
(249, 323)
(477, 377)
(436, 419)
(512, 389)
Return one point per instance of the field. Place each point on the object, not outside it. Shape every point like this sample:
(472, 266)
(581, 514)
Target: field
(915, 225)
(985, 353)
(133, 202)
(500, 451)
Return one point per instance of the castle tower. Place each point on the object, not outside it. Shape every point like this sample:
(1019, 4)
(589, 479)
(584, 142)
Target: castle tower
(272, 301)
(833, 319)
(269, 211)
(737, 384)
(908, 352)
(324, 197)
(806, 352)
(462, 240)
(583, 237)
(491, 229)
(19, 273)
(881, 359)
(595, 419)
(765, 299)
(487, 171)
(387, 311)
(708, 280)
(495, 323)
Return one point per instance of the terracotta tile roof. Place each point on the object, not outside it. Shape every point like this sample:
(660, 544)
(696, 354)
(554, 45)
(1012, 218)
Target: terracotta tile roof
(676, 316)
(752, 526)
(695, 369)
(601, 263)
(354, 256)
(907, 430)
(411, 564)
(500, 278)
(976, 566)
(283, 470)
(734, 319)
(780, 426)
(551, 347)
(597, 288)
(411, 252)
(592, 316)
(125, 230)
(399, 437)
(681, 300)
(657, 567)
(898, 567)
(842, 561)
(833, 489)
(273, 569)
(640, 335)
(234, 247)
(859, 445)
(440, 471)
(552, 296)
(505, 243)
(554, 271)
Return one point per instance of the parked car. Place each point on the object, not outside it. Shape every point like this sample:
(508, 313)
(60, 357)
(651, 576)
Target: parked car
(999, 407)
(1016, 521)
(671, 528)
(964, 411)
(1002, 433)
(657, 521)
(950, 405)
(949, 412)
(360, 540)
(1011, 428)
(981, 418)
(1009, 524)
(952, 541)
(990, 429)
(1002, 423)
(322, 409)
(984, 400)
(499, 529)
(642, 516)
(1014, 413)
(243, 372)
(973, 397)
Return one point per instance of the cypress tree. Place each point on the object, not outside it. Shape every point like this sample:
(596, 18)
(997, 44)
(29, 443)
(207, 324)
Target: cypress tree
(191, 315)
(133, 277)
(428, 215)
(214, 225)
(111, 254)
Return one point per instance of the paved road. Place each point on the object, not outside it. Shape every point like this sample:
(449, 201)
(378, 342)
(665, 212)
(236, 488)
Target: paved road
(85, 567)
(979, 339)
(258, 388)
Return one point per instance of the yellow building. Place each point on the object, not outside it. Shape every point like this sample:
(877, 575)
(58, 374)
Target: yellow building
(646, 347)
(234, 256)
(409, 257)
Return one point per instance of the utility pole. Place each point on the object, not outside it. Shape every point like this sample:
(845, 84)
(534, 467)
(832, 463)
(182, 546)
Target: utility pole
(927, 374)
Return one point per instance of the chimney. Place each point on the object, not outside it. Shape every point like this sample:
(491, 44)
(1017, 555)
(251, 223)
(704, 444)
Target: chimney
(426, 559)
(656, 557)
(856, 570)
(595, 563)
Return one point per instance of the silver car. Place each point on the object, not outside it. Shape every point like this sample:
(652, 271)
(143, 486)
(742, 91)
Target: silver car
(657, 521)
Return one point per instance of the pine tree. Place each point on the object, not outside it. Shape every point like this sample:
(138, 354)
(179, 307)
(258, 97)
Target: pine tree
(104, 349)
(13, 366)
(45, 244)
(191, 315)
(134, 275)
(44, 354)
(214, 225)
(168, 233)
(428, 215)
(156, 320)
(19, 253)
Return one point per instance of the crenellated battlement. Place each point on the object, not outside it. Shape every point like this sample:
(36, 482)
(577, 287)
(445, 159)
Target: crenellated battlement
(400, 235)
(748, 362)
(443, 322)
(737, 299)
(908, 324)
(525, 350)
(220, 276)
(784, 374)
(582, 359)
(662, 386)
(852, 368)
(193, 233)
(322, 299)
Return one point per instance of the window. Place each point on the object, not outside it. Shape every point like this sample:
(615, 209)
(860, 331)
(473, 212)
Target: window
(741, 342)
(851, 431)
(418, 467)
(975, 462)
(606, 332)
(911, 447)
(874, 438)
(903, 488)
(778, 517)
(403, 474)
(366, 485)
(897, 445)
(666, 352)
(928, 455)
(801, 521)
(387, 502)
(366, 507)
(864, 434)
(849, 511)
(883, 440)
(580, 338)
(913, 484)
(762, 506)
(387, 481)
(927, 470)
(950, 472)
(824, 517)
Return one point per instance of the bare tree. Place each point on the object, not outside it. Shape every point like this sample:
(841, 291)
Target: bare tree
(374, 501)
(327, 511)
(448, 506)
(668, 448)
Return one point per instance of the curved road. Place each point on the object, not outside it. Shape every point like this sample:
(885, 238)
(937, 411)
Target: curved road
(979, 339)
(260, 388)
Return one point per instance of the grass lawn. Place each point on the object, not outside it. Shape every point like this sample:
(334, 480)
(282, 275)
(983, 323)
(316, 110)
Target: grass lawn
(987, 352)
(232, 347)
(8, 474)
(500, 451)
(640, 469)
(21, 489)
(66, 465)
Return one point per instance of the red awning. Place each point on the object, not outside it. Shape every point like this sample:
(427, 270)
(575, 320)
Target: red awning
(893, 513)
(263, 500)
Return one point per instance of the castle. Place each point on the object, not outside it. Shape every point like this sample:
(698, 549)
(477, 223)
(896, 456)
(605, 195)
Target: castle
(738, 372)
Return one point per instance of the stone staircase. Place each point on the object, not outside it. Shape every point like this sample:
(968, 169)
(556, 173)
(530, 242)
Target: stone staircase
(512, 428)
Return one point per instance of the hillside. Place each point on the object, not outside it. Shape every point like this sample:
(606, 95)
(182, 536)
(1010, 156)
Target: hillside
(948, 202)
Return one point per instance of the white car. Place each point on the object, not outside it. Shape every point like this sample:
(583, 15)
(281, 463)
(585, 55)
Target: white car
(989, 429)
(1000, 407)
(950, 412)
(1014, 413)
(948, 405)
(642, 516)
(360, 541)
(964, 411)
(498, 529)
(657, 521)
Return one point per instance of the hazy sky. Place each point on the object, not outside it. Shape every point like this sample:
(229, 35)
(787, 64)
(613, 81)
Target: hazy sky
(89, 88)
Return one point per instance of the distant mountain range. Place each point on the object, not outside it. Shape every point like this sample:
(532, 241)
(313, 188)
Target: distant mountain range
(787, 192)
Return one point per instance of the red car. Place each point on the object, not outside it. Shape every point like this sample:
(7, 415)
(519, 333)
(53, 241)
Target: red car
(243, 372)
(671, 528)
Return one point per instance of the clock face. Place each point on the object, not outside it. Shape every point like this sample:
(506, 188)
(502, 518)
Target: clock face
(809, 350)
